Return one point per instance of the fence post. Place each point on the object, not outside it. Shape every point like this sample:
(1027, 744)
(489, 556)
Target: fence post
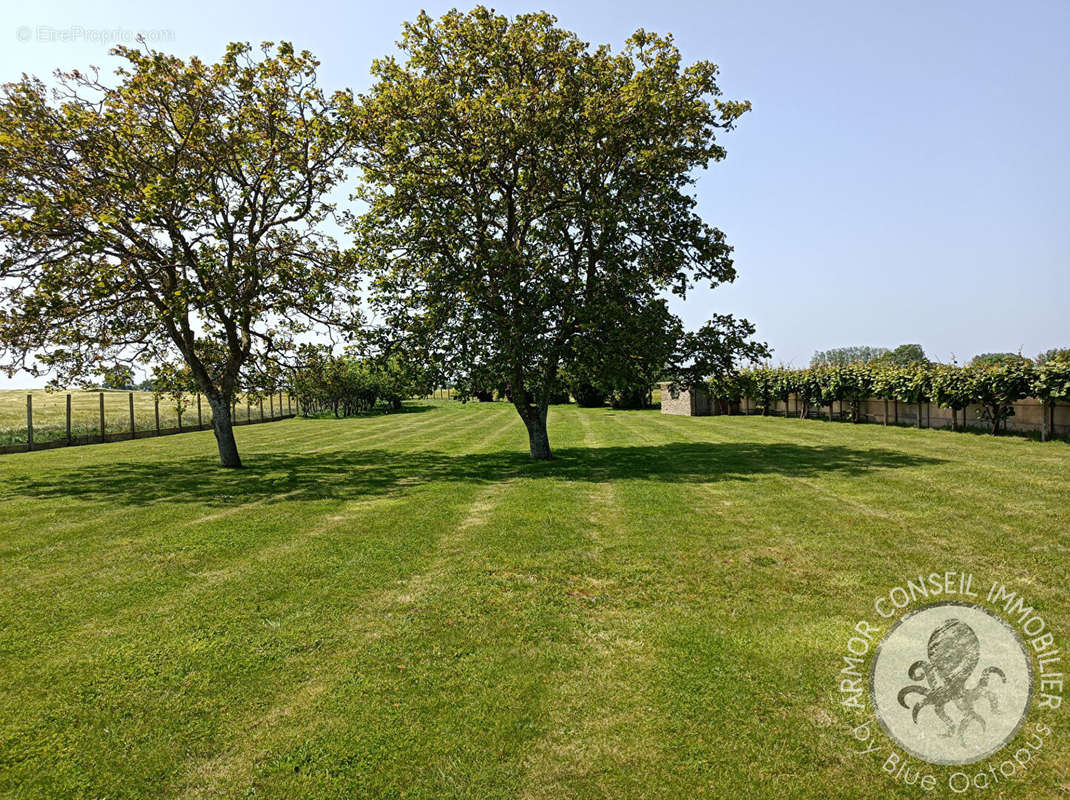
(156, 408)
(102, 417)
(200, 422)
(29, 421)
(133, 430)
(68, 417)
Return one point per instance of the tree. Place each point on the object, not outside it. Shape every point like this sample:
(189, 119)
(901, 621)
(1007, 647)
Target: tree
(174, 380)
(856, 386)
(523, 188)
(1051, 383)
(117, 376)
(760, 384)
(995, 359)
(841, 356)
(587, 394)
(717, 349)
(952, 387)
(907, 384)
(712, 355)
(1055, 353)
(479, 383)
(784, 385)
(998, 386)
(833, 387)
(807, 384)
(906, 355)
(622, 358)
(177, 213)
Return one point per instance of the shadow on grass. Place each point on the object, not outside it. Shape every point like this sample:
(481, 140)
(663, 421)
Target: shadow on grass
(362, 473)
(408, 407)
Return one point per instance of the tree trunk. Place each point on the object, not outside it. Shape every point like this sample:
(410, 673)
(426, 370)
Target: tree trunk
(535, 421)
(223, 429)
(885, 418)
(954, 419)
(919, 415)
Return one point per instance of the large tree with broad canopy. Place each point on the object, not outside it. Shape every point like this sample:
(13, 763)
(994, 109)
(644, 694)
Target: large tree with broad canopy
(176, 213)
(524, 189)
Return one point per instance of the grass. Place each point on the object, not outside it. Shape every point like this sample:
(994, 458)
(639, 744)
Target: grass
(50, 413)
(405, 606)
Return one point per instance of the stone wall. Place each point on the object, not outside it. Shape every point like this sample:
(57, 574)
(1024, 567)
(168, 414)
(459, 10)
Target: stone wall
(1028, 413)
(679, 401)
(688, 402)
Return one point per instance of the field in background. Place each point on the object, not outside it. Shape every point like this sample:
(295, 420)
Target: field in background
(50, 413)
(406, 606)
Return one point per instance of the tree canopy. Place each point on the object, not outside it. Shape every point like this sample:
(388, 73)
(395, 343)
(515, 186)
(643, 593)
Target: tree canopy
(175, 214)
(997, 359)
(904, 355)
(524, 188)
(1053, 354)
(839, 356)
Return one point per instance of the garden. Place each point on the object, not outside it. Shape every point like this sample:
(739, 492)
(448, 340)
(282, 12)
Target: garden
(403, 605)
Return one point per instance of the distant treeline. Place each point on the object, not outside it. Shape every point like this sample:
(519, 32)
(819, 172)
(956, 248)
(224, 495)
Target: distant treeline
(345, 385)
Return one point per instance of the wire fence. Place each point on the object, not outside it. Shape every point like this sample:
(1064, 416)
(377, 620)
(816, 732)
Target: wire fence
(56, 419)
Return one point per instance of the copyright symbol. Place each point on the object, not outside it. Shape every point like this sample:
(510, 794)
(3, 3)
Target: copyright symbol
(24, 34)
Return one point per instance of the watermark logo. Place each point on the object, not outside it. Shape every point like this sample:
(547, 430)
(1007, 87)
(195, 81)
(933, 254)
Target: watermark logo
(79, 34)
(951, 683)
(960, 676)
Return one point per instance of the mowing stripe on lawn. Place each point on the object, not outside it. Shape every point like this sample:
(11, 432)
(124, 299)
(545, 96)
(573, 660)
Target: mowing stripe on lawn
(263, 738)
(160, 535)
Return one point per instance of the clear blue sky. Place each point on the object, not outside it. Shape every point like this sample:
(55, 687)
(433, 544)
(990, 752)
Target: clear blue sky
(904, 175)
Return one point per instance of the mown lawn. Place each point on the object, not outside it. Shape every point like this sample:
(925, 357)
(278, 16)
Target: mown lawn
(405, 606)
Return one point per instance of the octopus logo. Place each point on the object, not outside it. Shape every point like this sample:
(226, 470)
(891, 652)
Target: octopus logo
(951, 683)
